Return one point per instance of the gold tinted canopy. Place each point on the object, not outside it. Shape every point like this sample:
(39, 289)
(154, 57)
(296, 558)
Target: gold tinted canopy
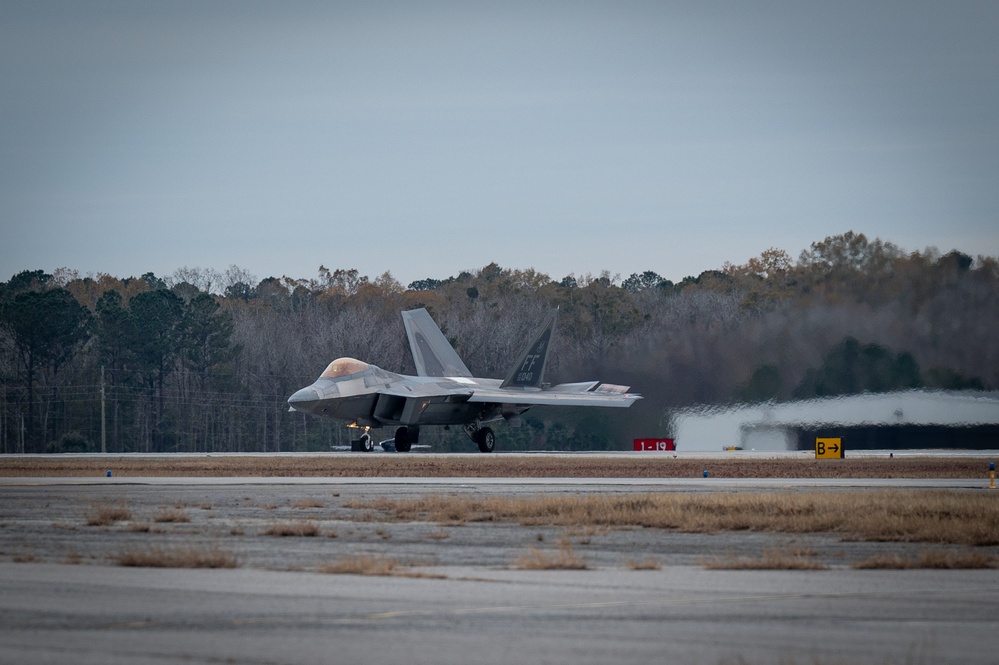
(343, 367)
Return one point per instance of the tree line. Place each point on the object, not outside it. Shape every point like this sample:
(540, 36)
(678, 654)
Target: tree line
(204, 360)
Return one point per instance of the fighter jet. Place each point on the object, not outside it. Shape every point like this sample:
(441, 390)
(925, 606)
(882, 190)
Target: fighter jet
(444, 392)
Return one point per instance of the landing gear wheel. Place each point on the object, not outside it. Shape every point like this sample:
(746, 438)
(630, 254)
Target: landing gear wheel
(486, 440)
(403, 442)
(364, 444)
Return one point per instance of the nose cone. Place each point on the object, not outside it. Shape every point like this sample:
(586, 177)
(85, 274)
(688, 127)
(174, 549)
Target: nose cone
(304, 400)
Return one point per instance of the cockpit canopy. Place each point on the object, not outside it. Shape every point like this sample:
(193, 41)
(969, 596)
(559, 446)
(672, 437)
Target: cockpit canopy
(343, 367)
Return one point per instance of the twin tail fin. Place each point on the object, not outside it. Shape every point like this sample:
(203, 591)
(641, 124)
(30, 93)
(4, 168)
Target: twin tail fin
(433, 355)
(529, 370)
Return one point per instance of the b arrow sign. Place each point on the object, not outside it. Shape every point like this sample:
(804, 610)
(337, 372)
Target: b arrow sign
(828, 449)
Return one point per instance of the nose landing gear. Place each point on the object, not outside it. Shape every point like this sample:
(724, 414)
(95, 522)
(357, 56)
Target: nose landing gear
(363, 444)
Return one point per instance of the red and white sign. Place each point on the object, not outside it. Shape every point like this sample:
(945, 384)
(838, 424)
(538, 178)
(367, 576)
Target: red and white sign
(655, 444)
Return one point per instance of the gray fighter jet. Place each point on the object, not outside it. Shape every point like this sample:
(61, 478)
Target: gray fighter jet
(445, 392)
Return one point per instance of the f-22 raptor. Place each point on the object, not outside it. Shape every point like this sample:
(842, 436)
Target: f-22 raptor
(444, 392)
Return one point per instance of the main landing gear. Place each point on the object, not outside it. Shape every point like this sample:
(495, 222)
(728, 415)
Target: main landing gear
(405, 437)
(482, 436)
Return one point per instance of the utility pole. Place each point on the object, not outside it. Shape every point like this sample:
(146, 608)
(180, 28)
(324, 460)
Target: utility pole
(104, 440)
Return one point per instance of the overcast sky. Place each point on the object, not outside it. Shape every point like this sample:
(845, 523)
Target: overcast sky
(428, 138)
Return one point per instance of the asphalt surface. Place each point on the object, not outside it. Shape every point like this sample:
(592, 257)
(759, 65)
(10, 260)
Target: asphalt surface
(104, 615)
(64, 599)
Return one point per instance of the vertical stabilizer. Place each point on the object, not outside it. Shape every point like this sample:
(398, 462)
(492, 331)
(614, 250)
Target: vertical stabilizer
(529, 371)
(432, 353)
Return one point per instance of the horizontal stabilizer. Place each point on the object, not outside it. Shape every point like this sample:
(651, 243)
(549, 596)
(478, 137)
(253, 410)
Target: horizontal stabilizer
(611, 389)
(582, 387)
(553, 398)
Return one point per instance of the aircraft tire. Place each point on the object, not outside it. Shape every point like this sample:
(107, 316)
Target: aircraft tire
(367, 443)
(403, 444)
(486, 440)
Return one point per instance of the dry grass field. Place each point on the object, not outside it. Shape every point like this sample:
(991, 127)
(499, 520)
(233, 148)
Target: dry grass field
(374, 529)
(565, 558)
(333, 465)
(881, 516)
(177, 557)
(299, 528)
(105, 514)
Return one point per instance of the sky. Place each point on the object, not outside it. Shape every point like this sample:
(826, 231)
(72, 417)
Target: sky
(427, 138)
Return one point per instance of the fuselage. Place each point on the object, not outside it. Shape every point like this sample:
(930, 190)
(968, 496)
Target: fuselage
(444, 392)
(365, 395)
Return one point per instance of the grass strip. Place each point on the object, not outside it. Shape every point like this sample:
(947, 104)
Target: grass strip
(930, 559)
(108, 514)
(964, 518)
(177, 557)
(771, 559)
(333, 465)
(299, 528)
(377, 565)
(562, 559)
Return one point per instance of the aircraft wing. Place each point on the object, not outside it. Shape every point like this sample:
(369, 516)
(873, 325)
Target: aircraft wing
(591, 393)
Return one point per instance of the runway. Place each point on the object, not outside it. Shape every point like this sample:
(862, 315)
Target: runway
(104, 616)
